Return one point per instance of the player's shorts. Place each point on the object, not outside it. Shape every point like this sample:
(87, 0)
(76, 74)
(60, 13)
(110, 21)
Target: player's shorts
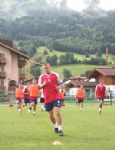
(41, 100)
(26, 100)
(80, 100)
(51, 105)
(18, 99)
(33, 101)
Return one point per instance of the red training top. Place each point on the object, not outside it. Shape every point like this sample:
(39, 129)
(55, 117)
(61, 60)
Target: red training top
(50, 91)
(100, 91)
(26, 93)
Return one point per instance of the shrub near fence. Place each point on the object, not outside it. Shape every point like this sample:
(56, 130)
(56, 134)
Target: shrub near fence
(3, 96)
(69, 99)
(90, 97)
(7, 97)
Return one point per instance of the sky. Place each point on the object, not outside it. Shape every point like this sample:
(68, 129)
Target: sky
(79, 5)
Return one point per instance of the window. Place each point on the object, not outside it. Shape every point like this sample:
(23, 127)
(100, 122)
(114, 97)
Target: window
(1, 68)
(1, 83)
(1, 55)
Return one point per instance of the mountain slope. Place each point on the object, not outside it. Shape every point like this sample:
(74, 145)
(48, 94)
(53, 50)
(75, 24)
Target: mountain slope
(57, 28)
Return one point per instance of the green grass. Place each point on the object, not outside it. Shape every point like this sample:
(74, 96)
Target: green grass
(76, 69)
(83, 130)
(40, 51)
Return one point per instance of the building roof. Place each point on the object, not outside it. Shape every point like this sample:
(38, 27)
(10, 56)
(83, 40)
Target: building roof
(77, 78)
(15, 51)
(78, 83)
(7, 42)
(104, 71)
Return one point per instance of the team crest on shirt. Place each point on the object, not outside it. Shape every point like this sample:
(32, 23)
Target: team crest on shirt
(58, 102)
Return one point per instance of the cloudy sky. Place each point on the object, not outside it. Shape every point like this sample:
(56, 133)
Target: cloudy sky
(77, 5)
(80, 5)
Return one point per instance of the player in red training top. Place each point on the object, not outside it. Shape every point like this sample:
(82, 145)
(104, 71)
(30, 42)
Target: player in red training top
(26, 95)
(100, 95)
(50, 81)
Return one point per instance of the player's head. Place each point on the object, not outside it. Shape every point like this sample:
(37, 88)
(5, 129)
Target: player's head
(61, 90)
(101, 81)
(19, 85)
(28, 84)
(47, 68)
(81, 86)
(33, 81)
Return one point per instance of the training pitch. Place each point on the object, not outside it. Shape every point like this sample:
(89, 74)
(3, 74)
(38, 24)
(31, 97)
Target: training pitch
(84, 130)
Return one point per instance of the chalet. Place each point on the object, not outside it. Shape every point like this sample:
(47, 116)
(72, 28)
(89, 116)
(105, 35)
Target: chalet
(105, 74)
(75, 82)
(12, 62)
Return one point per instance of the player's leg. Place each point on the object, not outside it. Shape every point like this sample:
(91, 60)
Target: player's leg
(34, 106)
(17, 103)
(25, 102)
(81, 105)
(51, 116)
(63, 102)
(49, 109)
(100, 106)
(42, 104)
(78, 104)
(58, 117)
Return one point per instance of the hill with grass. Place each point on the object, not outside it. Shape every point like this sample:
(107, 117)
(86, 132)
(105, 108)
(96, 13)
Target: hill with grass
(46, 23)
(79, 67)
(51, 32)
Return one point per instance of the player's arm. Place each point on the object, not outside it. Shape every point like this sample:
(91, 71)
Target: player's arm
(84, 92)
(95, 91)
(24, 90)
(41, 83)
(76, 94)
(60, 82)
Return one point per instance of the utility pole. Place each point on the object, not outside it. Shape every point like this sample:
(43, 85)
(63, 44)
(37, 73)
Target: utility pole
(107, 55)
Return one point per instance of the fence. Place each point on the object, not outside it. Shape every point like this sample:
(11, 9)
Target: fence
(7, 97)
(90, 98)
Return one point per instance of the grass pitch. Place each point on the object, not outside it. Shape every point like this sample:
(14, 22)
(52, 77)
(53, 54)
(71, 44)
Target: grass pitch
(83, 130)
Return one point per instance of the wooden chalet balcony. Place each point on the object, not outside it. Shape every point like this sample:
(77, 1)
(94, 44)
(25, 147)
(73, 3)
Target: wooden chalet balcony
(21, 63)
(2, 88)
(2, 60)
(22, 76)
(2, 74)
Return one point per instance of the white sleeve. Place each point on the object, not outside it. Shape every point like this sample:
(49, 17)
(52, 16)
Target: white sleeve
(58, 78)
(96, 88)
(24, 89)
(39, 81)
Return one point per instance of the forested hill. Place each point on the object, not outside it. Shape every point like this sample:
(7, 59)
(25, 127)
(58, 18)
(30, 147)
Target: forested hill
(62, 30)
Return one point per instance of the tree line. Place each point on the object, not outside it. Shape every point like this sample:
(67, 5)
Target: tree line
(62, 30)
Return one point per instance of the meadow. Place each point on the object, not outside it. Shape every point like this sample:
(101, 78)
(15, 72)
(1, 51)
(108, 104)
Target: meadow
(83, 130)
(75, 69)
